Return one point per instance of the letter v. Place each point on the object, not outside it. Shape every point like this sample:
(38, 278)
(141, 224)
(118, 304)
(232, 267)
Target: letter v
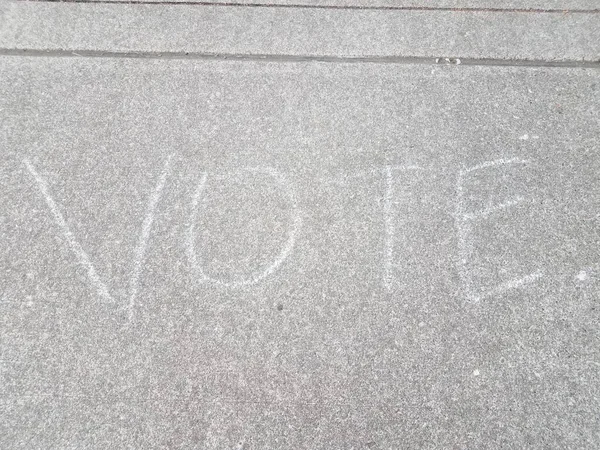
(82, 256)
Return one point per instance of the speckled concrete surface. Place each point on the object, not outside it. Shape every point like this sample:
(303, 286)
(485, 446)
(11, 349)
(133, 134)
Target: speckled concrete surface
(299, 32)
(298, 255)
(561, 5)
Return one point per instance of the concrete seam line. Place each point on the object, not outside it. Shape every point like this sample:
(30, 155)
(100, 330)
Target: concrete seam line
(338, 7)
(287, 58)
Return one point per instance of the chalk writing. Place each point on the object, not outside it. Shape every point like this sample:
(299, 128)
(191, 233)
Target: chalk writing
(81, 255)
(464, 219)
(140, 251)
(76, 248)
(295, 222)
(390, 229)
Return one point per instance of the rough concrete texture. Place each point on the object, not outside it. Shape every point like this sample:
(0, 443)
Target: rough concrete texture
(299, 32)
(250, 255)
(480, 4)
(210, 254)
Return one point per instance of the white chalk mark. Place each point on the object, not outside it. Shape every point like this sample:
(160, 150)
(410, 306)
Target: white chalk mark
(508, 285)
(76, 248)
(83, 257)
(492, 209)
(493, 163)
(294, 227)
(463, 222)
(140, 251)
(390, 229)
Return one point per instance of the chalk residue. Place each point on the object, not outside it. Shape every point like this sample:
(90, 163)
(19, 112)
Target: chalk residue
(140, 251)
(79, 252)
(295, 223)
(508, 285)
(390, 229)
(463, 221)
(494, 163)
(82, 256)
(492, 209)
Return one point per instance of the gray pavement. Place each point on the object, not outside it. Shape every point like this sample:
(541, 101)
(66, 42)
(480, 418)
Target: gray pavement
(298, 32)
(559, 5)
(293, 253)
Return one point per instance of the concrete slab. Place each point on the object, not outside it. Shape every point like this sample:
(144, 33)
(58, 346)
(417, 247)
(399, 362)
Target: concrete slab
(228, 255)
(296, 32)
(398, 4)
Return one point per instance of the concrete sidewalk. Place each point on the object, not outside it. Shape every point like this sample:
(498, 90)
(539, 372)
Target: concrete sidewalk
(300, 227)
